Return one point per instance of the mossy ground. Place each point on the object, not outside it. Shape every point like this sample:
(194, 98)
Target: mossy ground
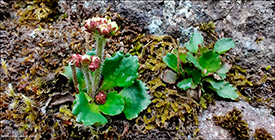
(36, 49)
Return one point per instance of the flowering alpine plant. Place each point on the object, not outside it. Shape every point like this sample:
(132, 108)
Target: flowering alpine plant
(94, 79)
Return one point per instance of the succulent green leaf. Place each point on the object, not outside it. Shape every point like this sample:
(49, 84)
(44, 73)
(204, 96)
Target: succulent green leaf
(86, 112)
(185, 84)
(190, 48)
(170, 77)
(91, 52)
(203, 49)
(195, 39)
(196, 75)
(210, 61)
(223, 45)
(114, 104)
(228, 91)
(193, 60)
(79, 75)
(119, 70)
(183, 57)
(223, 70)
(215, 83)
(136, 99)
(171, 60)
(188, 70)
(193, 85)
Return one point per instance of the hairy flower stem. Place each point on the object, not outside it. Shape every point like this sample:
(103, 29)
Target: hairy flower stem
(73, 67)
(101, 41)
(88, 79)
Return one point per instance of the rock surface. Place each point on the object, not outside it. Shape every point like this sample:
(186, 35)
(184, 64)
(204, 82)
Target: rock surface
(243, 21)
(255, 117)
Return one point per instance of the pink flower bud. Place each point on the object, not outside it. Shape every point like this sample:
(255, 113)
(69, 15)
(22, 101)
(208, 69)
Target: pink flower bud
(114, 27)
(102, 20)
(86, 60)
(90, 25)
(205, 71)
(77, 58)
(199, 45)
(104, 29)
(94, 63)
(100, 98)
(95, 59)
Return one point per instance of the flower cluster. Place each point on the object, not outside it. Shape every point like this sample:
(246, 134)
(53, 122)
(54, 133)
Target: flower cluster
(77, 58)
(95, 63)
(86, 60)
(101, 25)
(100, 98)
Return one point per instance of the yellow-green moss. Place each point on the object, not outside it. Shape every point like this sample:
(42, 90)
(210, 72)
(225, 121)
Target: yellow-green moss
(38, 10)
(233, 123)
(208, 28)
(262, 134)
(168, 103)
(258, 40)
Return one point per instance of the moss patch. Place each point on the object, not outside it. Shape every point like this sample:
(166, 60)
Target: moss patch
(262, 134)
(233, 123)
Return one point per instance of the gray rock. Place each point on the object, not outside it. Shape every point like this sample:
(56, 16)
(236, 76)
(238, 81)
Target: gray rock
(242, 21)
(154, 27)
(247, 22)
(255, 117)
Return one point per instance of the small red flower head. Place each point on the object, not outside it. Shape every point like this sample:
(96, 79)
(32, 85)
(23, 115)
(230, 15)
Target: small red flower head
(85, 60)
(100, 98)
(94, 63)
(77, 58)
(104, 29)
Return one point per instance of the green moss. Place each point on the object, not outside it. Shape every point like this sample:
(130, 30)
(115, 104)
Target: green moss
(49, 3)
(233, 123)
(258, 40)
(38, 10)
(237, 76)
(247, 85)
(169, 106)
(268, 67)
(262, 134)
(207, 99)
(208, 28)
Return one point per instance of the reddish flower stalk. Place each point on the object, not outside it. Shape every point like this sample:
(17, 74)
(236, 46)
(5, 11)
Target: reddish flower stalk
(72, 63)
